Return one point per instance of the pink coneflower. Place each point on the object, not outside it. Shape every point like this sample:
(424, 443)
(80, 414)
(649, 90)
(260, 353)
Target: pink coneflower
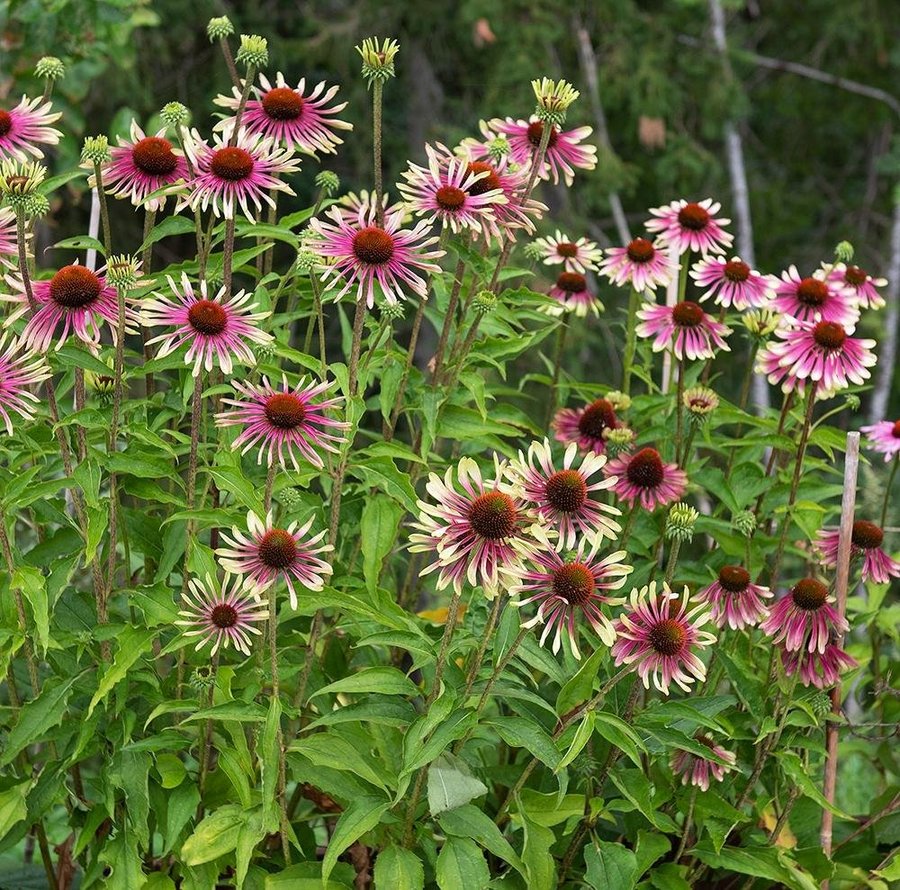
(9, 245)
(733, 283)
(661, 634)
(562, 497)
(865, 541)
(565, 588)
(364, 254)
(445, 192)
(644, 478)
(571, 292)
(697, 770)
(639, 264)
(224, 616)
(19, 369)
(240, 175)
(859, 284)
(25, 127)
(816, 298)
(216, 329)
(884, 437)
(473, 533)
(72, 300)
(819, 669)
(689, 225)
(564, 150)
(269, 553)
(684, 328)
(821, 352)
(586, 426)
(804, 618)
(575, 256)
(142, 166)
(285, 423)
(734, 600)
(288, 115)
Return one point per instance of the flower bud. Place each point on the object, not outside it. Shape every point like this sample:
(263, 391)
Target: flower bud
(95, 150)
(700, 402)
(378, 58)
(253, 51)
(680, 522)
(218, 28)
(49, 68)
(19, 183)
(289, 498)
(618, 440)
(484, 301)
(174, 114)
(329, 182)
(123, 271)
(553, 99)
(744, 523)
(619, 400)
(498, 148)
(843, 252)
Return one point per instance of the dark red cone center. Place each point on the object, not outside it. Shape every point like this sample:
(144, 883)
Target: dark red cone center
(486, 183)
(153, 155)
(232, 163)
(855, 276)
(736, 271)
(566, 491)
(567, 249)
(277, 548)
(574, 582)
(493, 515)
(687, 314)
(5, 122)
(693, 217)
(74, 287)
(867, 535)
(641, 250)
(571, 282)
(284, 410)
(829, 334)
(373, 246)
(597, 417)
(809, 594)
(208, 317)
(282, 104)
(536, 130)
(224, 616)
(812, 292)
(667, 636)
(449, 197)
(734, 579)
(645, 469)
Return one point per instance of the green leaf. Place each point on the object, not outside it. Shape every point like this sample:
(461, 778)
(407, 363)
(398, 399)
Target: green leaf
(215, 836)
(617, 732)
(451, 784)
(329, 749)
(581, 686)
(650, 847)
(125, 863)
(131, 777)
(12, 806)
(361, 816)
(378, 530)
(536, 857)
(386, 680)
(761, 862)
(610, 865)
(171, 770)
(794, 769)
(519, 732)
(171, 225)
(231, 480)
(398, 869)
(34, 585)
(472, 822)
(461, 864)
(582, 735)
(241, 711)
(269, 762)
(133, 642)
(80, 242)
(381, 473)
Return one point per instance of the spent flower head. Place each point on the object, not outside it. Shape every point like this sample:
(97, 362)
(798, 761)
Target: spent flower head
(328, 181)
(174, 114)
(253, 51)
(553, 99)
(843, 252)
(680, 522)
(220, 27)
(49, 68)
(378, 58)
(96, 150)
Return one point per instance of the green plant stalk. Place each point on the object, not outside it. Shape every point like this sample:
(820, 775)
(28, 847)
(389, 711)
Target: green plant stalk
(489, 626)
(673, 560)
(80, 401)
(118, 388)
(276, 693)
(561, 333)
(377, 93)
(206, 735)
(270, 483)
(146, 261)
(228, 256)
(686, 828)
(196, 417)
(391, 425)
(104, 211)
(310, 653)
(887, 489)
(449, 319)
(629, 525)
(21, 615)
(229, 61)
(634, 302)
(679, 413)
(242, 104)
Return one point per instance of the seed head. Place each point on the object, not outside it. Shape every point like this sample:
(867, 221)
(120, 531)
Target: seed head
(328, 181)
(95, 150)
(680, 522)
(553, 99)
(49, 68)
(744, 523)
(378, 58)
(174, 114)
(843, 252)
(484, 301)
(218, 28)
(253, 51)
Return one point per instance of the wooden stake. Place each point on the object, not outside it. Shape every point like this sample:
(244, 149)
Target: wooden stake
(841, 584)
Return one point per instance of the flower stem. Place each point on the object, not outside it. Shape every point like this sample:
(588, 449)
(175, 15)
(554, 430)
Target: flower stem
(673, 560)
(113, 436)
(887, 489)
(679, 413)
(561, 333)
(229, 61)
(146, 260)
(391, 425)
(482, 648)
(196, 416)
(242, 104)
(634, 302)
(104, 211)
(377, 92)
(282, 770)
(449, 319)
(206, 738)
(686, 828)
(228, 256)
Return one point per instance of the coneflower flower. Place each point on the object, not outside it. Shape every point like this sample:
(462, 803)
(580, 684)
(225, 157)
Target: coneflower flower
(733, 283)
(684, 328)
(690, 225)
(562, 497)
(586, 426)
(474, 533)
(143, 165)
(26, 126)
(734, 600)
(805, 618)
(71, 301)
(822, 352)
(216, 329)
(639, 264)
(268, 554)
(445, 192)
(288, 115)
(19, 369)
(224, 616)
(862, 286)
(865, 541)
(364, 254)
(661, 635)
(815, 298)
(819, 669)
(565, 150)
(575, 256)
(884, 437)
(568, 587)
(228, 177)
(696, 769)
(572, 294)
(643, 478)
(285, 423)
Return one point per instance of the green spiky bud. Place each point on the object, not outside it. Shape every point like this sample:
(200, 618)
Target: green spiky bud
(307, 260)
(328, 181)
(852, 401)
(843, 252)
(289, 498)
(95, 150)
(484, 301)
(378, 59)
(49, 68)
(619, 400)
(19, 182)
(174, 114)
(218, 28)
(264, 352)
(680, 522)
(533, 251)
(394, 311)
(744, 523)
(761, 322)
(123, 271)
(618, 440)
(553, 99)
(253, 51)
(202, 678)
(498, 148)
(35, 205)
